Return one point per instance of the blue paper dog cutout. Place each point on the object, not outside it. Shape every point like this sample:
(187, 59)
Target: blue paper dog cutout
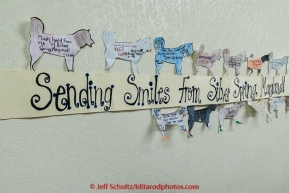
(202, 115)
(171, 55)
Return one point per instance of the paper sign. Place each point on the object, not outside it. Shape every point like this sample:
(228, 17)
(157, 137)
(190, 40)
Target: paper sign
(131, 51)
(170, 119)
(61, 93)
(66, 46)
(207, 60)
(171, 55)
(234, 62)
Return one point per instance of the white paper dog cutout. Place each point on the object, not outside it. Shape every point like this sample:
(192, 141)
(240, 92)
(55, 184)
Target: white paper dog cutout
(170, 119)
(124, 50)
(277, 63)
(229, 113)
(207, 60)
(233, 61)
(260, 105)
(66, 46)
(275, 104)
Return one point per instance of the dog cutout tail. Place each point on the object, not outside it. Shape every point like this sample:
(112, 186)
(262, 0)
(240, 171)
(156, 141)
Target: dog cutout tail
(109, 38)
(36, 26)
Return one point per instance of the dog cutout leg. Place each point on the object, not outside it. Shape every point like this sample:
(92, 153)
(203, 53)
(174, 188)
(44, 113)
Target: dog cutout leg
(162, 128)
(212, 74)
(278, 71)
(109, 63)
(237, 70)
(209, 124)
(179, 68)
(34, 57)
(69, 63)
(221, 120)
(134, 66)
(259, 72)
(251, 71)
(238, 122)
(191, 125)
(226, 68)
(268, 113)
(270, 117)
(269, 68)
(197, 68)
(182, 126)
(158, 66)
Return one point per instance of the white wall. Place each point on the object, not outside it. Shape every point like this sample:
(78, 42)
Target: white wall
(68, 153)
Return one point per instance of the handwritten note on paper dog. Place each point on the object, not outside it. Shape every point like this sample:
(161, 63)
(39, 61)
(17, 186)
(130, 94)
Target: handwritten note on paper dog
(256, 63)
(124, 50)
(207, 60)
(234, 62)
(275, 104)
(171, 55)
(277, 63)
(66, 46)
(229, 113)
(170, 119)
(202, 115)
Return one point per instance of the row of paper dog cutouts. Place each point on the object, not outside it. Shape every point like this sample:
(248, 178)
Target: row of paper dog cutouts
(203, 115)
(68, 46)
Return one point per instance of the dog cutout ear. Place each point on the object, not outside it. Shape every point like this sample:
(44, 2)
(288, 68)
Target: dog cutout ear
(88, 30)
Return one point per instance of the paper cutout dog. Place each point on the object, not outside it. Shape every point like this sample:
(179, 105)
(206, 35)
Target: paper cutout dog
(171, 55)
(256, 63)
(275, 104)
(277, 63)
(260, 105)
(207, 60)
(202, 115)
(131, 51)
(170, 119)
(66, 46)
(229, 113)
(233, 61)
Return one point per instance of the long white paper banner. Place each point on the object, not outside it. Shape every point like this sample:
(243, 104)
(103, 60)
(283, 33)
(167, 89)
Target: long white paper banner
(35, 94)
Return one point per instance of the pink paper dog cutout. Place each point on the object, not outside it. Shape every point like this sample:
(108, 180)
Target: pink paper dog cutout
(207, 60)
